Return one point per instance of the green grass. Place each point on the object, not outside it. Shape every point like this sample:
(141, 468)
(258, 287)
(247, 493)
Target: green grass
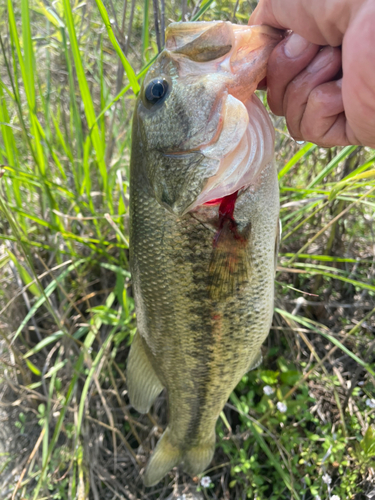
(66, 309)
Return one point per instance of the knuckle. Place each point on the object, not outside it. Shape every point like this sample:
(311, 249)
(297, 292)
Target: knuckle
(317, 100)
(311, 131)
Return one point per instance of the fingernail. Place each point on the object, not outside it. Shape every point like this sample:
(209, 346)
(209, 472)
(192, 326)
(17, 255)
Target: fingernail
(321, 60)
(295, 45)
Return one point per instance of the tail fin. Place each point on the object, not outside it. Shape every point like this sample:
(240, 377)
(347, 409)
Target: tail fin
(196, 459)
(166, 456)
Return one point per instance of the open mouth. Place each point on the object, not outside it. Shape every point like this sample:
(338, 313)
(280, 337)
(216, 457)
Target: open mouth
(244, 141)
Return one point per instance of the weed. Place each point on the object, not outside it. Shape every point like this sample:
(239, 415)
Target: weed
(302, 425)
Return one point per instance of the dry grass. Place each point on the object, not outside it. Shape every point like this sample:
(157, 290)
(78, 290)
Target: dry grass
(68, 429)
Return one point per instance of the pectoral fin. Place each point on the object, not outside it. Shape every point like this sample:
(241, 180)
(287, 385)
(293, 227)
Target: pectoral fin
(143, 383)
(230, 264)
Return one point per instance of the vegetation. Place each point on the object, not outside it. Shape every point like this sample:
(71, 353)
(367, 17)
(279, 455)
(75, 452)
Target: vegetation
(299, 427)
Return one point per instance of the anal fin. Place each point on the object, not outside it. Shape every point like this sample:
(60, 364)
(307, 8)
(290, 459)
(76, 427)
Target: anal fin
(143, 383)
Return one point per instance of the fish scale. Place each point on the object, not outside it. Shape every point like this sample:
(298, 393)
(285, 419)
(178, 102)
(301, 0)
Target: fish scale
(201, 321)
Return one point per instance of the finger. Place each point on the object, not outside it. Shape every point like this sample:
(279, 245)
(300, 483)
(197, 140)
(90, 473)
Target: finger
(262, 85)
(359, 77)
(322, 69)
(322, 22)
(286, 61)
(264, 14)
(323, 121)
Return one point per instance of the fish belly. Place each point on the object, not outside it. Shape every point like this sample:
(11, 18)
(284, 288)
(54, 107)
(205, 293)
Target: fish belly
(195, 344)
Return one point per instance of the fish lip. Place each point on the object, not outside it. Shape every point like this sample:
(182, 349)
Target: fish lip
(181, 154)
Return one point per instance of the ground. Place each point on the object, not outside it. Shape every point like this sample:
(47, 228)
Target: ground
(301, 425)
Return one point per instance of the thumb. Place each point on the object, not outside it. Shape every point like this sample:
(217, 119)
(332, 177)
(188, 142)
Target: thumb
(263, 14)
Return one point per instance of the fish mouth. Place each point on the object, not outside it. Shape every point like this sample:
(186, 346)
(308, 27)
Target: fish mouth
(244, 141)
(240, 53)
(181, 154)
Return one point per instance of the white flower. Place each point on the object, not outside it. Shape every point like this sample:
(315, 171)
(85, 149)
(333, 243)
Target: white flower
(268, 390)
(282, 407)
(317, 497)
(335, 497)
(206, 481)
(327, 479)
(370, 403)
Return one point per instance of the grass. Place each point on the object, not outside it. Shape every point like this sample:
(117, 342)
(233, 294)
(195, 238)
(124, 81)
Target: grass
(68, 78)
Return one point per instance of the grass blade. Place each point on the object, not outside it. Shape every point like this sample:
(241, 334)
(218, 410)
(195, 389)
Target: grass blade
(127, 66)
(306, 149)
(262, 443)
(47, 292)
(332, 164)
(205, 6)
(86, 96)
(27, 75)
(312, 325)
(145, 34)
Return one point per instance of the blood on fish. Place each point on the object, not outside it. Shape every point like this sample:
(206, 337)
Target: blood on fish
(229, 263)
(216, 201)
(226, 210)
(227, 205)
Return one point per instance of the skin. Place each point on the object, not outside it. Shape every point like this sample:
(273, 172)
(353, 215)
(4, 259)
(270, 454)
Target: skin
(203, 293)
(319, 106)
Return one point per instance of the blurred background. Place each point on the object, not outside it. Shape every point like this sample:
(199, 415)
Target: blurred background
(301, 426)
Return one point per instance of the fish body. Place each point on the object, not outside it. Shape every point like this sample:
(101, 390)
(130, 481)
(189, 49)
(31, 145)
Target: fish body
(204, 209)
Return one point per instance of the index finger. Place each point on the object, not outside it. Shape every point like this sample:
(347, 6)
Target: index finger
(263, 14)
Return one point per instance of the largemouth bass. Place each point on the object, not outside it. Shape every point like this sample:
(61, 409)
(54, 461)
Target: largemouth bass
(204, 209)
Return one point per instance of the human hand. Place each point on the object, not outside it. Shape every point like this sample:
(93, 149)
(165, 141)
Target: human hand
(326, 94)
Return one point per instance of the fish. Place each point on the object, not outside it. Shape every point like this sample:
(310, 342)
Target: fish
(203, 227)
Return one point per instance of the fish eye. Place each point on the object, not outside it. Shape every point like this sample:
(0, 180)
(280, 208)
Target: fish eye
(156, 90)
